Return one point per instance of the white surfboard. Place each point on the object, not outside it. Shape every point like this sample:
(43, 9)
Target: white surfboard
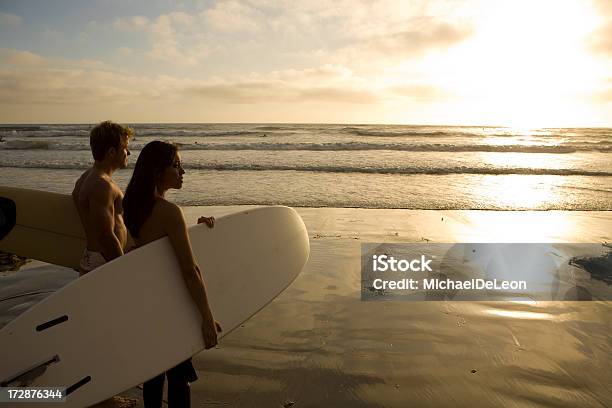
(133, 318)
(47, 226)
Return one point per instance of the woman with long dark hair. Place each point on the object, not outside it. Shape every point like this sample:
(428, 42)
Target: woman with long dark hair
(149, 216)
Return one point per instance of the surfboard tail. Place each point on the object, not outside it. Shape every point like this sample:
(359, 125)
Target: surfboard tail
(27, 376)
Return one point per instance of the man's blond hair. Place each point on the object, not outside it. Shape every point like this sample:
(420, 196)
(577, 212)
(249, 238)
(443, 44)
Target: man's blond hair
(107, 135)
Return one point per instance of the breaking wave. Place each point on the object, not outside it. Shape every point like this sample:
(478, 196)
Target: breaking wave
(342, 169)
(350, 146)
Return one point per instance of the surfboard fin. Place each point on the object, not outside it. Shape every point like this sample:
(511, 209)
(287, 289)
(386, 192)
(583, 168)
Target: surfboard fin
(78, 385)
(8, 216)
(25, 378)
(51, 323)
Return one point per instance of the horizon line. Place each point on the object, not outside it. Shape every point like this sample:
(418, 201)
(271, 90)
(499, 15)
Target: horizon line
(3, 124)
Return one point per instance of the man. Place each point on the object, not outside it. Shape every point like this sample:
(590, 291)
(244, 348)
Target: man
(98, 198)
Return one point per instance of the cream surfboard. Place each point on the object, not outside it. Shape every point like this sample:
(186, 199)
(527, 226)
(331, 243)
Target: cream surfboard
(133, 318)
(46, 227)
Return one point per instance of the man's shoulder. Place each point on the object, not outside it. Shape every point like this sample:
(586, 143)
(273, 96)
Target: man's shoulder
(102, 184)
(78, 185)
(98, 187)
(84, 175)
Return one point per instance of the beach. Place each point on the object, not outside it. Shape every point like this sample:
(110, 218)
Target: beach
(450, 161)
(318, 344)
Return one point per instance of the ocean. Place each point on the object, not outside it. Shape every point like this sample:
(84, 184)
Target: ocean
(341, 165)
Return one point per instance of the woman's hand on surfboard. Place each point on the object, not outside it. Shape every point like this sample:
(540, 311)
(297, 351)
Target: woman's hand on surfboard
(209, 333)
(210, 221)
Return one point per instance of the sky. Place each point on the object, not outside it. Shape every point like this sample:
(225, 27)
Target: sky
(519, 63)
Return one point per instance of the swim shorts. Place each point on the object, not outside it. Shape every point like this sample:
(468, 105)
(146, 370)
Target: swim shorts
(90, 261)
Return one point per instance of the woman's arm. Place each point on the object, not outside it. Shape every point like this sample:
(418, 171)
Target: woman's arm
(175, 228)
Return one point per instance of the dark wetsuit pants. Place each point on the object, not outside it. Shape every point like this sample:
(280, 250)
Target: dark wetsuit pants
(179, 395)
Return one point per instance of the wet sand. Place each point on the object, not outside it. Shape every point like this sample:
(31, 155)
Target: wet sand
(319, 345)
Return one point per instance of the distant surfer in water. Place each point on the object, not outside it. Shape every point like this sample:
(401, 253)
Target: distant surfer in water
(149, 216)
(98, 198)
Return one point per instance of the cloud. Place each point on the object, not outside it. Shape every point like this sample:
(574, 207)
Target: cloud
(418, 92)
(363, 35)
(29, 79)
(125, 51)
(19, 57)
(337, 95)
(10, 20)
(601, 39)
(321, 46)
(88, 81)
(327, 72)
(604, 7)
(54, 86)
(172, 36)
(233, 16)
(277, 92)
(605, 94)
(168, 43)
(419, 36)
(136, 23)
(343, 31)
(325, 84)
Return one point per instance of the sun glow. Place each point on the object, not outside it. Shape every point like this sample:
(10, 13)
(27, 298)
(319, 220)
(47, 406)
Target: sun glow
(520, 314)
(527, 64)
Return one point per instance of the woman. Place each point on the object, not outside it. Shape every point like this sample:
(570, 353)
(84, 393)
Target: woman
(149, 216)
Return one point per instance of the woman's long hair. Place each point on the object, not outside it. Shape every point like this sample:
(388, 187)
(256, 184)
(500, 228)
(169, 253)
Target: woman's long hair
(139, 197)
